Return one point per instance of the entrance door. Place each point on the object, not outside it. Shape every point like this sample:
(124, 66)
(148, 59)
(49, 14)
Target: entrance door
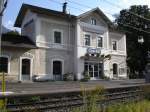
(115, 70)
(94, 69)
(25, 69)
(57, 70)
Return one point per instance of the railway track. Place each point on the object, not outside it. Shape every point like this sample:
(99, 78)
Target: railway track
(65, 101)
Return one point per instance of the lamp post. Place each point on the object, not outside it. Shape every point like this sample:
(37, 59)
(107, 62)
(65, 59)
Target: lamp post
(3, 4)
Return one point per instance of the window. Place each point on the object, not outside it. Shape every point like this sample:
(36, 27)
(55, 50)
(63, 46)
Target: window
(93, 21)
(4, 64)
(57, 37)
(114, 45)
(87, 40)
(99, 41)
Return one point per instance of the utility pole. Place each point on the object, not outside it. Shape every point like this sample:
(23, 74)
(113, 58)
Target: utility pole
(3, 5)
(1, 15)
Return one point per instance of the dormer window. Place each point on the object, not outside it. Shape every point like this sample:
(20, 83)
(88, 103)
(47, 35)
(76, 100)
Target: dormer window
(93, 21)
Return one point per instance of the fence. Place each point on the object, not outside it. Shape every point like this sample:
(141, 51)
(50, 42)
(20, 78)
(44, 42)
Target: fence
(66, 101)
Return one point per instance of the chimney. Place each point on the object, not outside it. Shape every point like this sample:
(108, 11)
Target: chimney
(65, 7)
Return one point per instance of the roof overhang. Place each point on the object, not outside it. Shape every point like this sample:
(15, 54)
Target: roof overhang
(39, 10)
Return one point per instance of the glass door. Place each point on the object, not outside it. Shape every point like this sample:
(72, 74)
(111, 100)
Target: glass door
(94, 69)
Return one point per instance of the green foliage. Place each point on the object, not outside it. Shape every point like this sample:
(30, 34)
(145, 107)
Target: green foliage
(86, 76)
(68, 77)
(13, 32)
(3, 110)
(146, 91)
(137, 53)
(35, 98)
(143, 106)
(105, 77)
(90, 98)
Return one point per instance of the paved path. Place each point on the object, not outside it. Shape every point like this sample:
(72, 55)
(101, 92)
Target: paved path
(60, 86)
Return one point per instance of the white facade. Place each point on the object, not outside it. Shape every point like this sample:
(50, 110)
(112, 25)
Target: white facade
(65, 44)
(118, 56)
(73, 42)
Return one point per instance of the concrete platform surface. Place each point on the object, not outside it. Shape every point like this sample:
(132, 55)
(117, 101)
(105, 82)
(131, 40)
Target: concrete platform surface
(61, 86)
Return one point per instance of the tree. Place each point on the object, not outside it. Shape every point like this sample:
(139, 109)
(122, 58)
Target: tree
(136, 26)
(15, 32)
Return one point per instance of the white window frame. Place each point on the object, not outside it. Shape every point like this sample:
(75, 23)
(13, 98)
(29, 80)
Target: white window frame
(58, 30)
(116, 45)
(86, 33)
(102, 41)
(93, 20)
(8, 57)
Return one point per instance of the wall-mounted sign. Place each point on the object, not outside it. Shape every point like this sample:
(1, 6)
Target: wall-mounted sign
(93, 50)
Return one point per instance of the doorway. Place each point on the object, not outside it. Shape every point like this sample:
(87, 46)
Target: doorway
(57, 70)
(115, 70)
(93, 69)
(25, 69)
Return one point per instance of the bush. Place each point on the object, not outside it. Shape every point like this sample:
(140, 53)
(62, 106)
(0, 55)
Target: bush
(146, 91)
(68, 77)
(105, 77)
(86, 76)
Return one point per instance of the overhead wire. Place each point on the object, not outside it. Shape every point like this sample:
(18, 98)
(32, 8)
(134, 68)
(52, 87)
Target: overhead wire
(127, 25)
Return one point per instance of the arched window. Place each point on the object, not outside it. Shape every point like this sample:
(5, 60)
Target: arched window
(115, 69)
(4, 64)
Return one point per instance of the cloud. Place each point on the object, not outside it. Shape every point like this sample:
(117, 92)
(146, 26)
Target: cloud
(128, 3)
(10, 25)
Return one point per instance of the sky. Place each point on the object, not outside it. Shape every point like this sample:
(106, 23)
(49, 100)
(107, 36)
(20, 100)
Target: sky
(76, 7)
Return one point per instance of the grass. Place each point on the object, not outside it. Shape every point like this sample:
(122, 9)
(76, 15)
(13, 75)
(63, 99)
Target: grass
(90, 99)
(142, 106)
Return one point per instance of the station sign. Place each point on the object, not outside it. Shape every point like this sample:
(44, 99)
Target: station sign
(93, 50)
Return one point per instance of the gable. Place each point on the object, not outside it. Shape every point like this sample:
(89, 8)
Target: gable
(94, 15)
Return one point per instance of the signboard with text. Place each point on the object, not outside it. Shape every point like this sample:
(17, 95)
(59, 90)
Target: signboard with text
(93, 50)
